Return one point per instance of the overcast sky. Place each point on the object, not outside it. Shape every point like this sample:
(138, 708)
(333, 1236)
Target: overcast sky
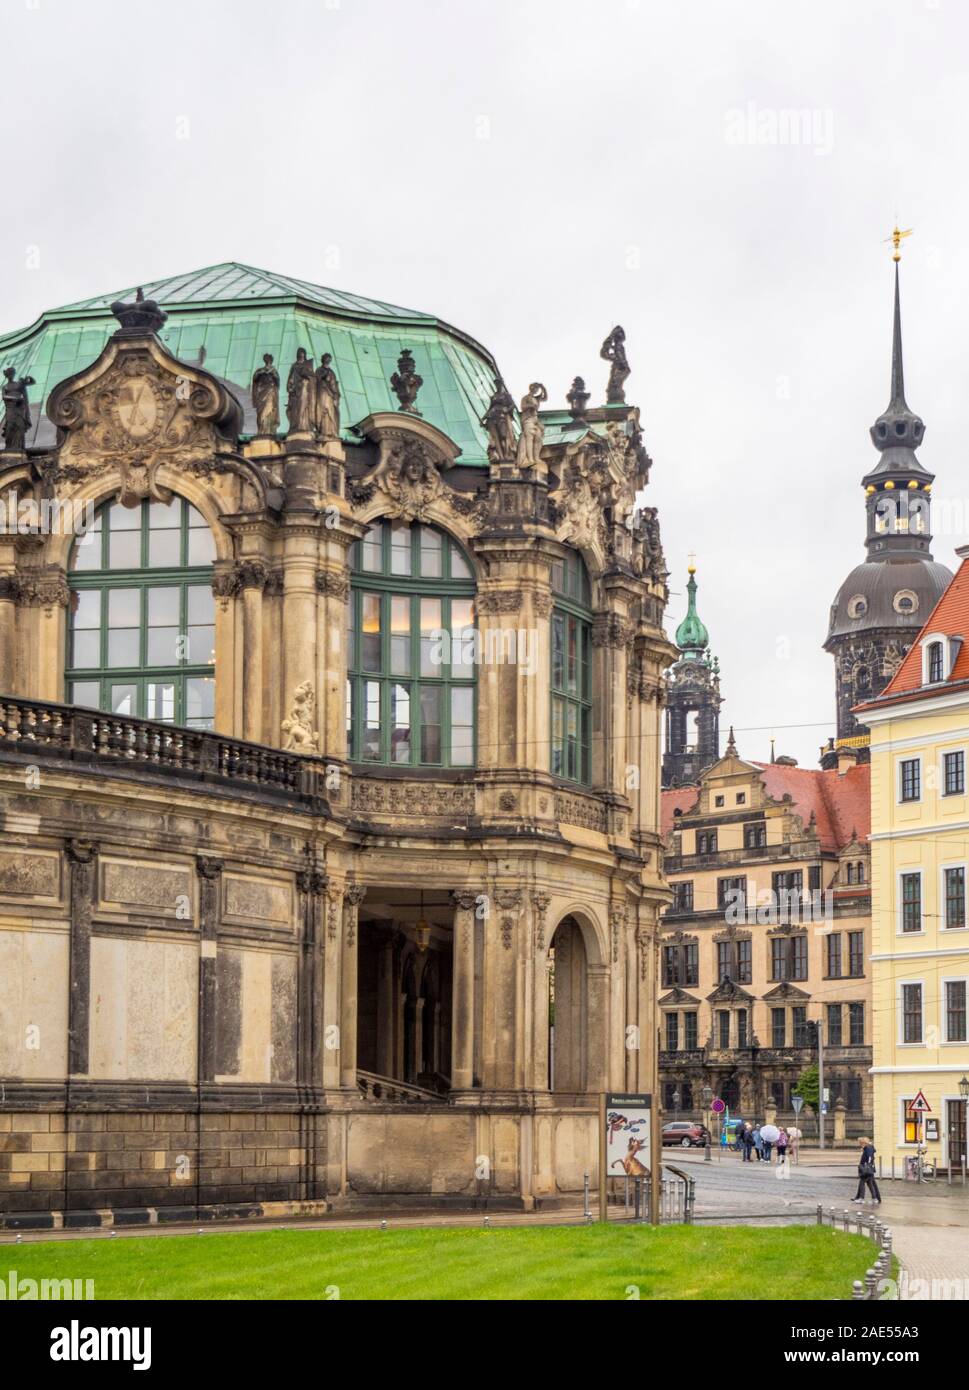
(536, 171)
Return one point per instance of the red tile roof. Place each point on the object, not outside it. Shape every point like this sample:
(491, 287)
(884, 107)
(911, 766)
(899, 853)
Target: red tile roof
(950, 616)
(841, 802)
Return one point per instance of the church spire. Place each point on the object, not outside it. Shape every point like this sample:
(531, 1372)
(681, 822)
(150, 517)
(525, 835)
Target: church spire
(898, 374)
(691, 635)
(898, 431)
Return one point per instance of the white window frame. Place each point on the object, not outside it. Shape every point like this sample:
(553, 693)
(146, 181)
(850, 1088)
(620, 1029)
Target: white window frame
(957, 748)
(904, 1143)
(926, 643)
(900, 918)
(944, 1012)
(952, 864)
(901, 1017)
(913, 800)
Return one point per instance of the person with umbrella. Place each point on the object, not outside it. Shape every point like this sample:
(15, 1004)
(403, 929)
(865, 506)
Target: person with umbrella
(769, 1134)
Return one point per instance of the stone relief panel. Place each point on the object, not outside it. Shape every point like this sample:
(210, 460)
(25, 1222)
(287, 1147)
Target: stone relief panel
(249, 901)
(25, 875)
(33, 1004)
(255, 1016)
(129, 883)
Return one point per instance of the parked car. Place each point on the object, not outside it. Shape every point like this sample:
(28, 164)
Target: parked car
(685, 1133)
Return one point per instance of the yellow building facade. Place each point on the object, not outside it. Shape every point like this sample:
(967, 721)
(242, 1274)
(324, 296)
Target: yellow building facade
(920, 924)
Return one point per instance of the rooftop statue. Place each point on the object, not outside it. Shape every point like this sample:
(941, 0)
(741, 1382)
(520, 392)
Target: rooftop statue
(405, 383)
(301, 395)
(16, 410)
(498, 420)
(614, 350)
(533, 431)
(265, 396)
(327, 400)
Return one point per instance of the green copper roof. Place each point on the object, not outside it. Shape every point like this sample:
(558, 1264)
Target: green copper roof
(691, 635)
(236, 313)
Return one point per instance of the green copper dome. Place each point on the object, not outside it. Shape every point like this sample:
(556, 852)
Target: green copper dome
(229, 315)
(691, 635)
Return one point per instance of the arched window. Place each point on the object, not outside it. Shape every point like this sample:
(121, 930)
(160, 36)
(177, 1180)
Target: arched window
(411, 668)
(571, 678)
(141, 635)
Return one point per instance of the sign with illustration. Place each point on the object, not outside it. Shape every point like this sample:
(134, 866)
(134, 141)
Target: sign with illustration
(628, 1132)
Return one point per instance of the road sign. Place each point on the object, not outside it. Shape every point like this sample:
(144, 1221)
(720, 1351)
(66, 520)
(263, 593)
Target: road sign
(797, 1102)
(827, 1095)
(717, 1106)
(920, 1104)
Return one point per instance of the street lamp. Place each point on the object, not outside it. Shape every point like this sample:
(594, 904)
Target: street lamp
(676, 1104)
(964, 1088)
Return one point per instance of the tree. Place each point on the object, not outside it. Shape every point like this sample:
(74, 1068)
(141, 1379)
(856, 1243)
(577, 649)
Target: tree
(808, 1088)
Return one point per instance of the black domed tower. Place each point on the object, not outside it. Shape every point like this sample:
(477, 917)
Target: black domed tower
(882, 605)
(692, 701)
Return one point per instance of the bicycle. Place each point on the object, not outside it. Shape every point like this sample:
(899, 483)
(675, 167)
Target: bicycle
(926, 1169)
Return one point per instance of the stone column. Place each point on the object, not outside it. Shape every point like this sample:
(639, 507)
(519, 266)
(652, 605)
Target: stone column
(8, 621)
(500, 989)
(332, 973)
(82, 857)
(209, 872)
(253, 575)
(538, 1060)
(298, 639)
(352, 898)
(45, 596)
(462, 999)
(311, 883)
(386, 1001)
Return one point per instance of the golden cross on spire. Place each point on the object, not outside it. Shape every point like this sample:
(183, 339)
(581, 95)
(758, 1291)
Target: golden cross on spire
(896, 240)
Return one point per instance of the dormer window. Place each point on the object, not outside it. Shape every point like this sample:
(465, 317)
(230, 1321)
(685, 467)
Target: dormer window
(939, 655)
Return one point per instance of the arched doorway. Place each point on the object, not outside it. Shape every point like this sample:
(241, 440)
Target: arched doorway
(568, 1009)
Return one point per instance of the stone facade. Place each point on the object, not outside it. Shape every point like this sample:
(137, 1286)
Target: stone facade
(238, 969)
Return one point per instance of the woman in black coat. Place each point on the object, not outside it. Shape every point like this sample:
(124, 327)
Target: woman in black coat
(866, 1172)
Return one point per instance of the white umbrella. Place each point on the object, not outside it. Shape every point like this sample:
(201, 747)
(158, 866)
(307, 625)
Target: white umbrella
(770, 1133)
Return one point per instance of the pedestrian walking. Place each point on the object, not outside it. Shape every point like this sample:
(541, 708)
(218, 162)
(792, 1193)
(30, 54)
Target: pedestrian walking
(758, 1143)
(782, 1147)
(866, 1173)
(748, 1138)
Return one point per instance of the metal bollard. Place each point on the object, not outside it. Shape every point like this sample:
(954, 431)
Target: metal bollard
(637, 1196)
(857, 1290)
(833, 1215)
(626, 1180)
(585, 1196)
(847, 1221)
(871, 1282)
(820, 1214)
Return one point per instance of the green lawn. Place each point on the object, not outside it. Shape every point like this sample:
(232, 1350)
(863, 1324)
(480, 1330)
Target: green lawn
(525, 1262)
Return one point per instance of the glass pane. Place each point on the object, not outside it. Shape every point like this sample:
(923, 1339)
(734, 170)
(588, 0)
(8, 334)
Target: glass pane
(87, 693)
(163, 606)
(124, 550)
(372, 557)
(160, 702)
(400, 561)
(124, 607)
(558, 651)
(430, 647)
(199, 702)
(462, 635)
(201, 603)
(165, 516)
(370, 631)
(572, 657)
(200, 647)
(86, 648)
(87, 608)
(164, 549)
(87, 550)
(459, 565)
(350, 718)
(163, 647)
(371, 722)
(430, 723)
(400, 723)
(572, 736)
(558, 737)
(400, 636)
(430, 553)
(123, 646)
(195, 518)
(201, 547)
(124, 699)
(462, 726)
(124, 518)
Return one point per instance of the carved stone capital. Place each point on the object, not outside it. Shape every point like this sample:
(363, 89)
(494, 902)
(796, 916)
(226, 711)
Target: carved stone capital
(508, 898)
(609, 630)
(499, 601)
(251, 573)
(354, 894)
(81, 851)
(463, 899)
(43, 589)
(208, 867)
(333, 582)
(312, 882)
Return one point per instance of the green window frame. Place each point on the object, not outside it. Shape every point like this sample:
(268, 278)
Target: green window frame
(571, 671)
(411, 696)
(141, 626)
